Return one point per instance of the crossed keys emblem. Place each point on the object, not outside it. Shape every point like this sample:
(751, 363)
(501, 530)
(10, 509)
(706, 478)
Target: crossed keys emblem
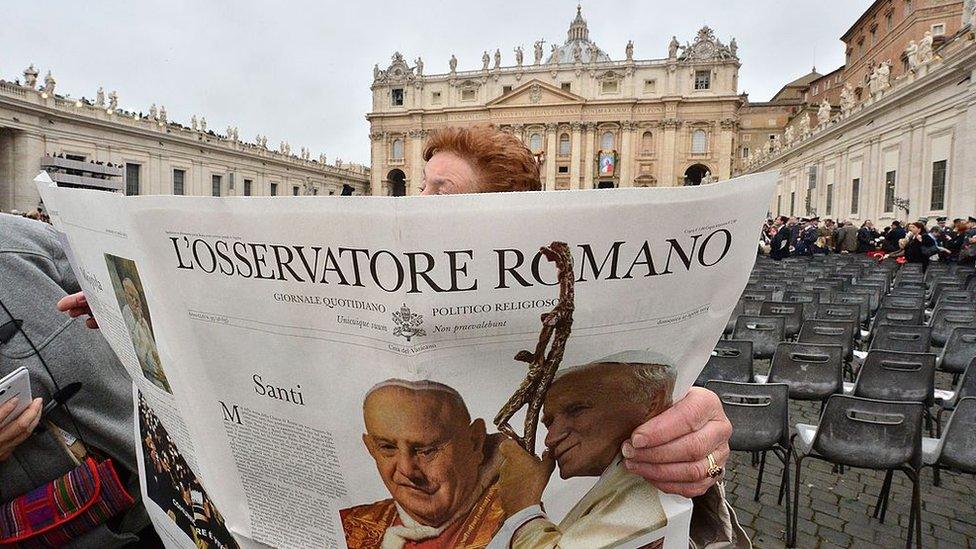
(544, 361)
(408, 324)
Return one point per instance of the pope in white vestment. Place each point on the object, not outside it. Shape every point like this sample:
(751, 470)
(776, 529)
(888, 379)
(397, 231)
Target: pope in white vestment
(589, 411)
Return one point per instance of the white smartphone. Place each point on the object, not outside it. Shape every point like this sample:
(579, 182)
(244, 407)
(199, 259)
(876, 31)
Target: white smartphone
(16, 385)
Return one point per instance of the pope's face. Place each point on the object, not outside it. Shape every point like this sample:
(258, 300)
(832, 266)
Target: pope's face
(132, 298)
(587, 421)
(448, 173)
(426, 453)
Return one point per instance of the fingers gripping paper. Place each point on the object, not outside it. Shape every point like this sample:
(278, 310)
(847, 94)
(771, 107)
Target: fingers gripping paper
(347, 372)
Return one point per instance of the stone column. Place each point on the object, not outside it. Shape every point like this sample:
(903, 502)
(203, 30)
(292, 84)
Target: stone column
(378, 171)
(960, 192)
(626, 154)
(550, 183)
(669, 128)
(24, 162)
(873, 182)
(917, 171)
(725, 152)
(574, 156)
(415, 161)
(518, 130)
(588, 157)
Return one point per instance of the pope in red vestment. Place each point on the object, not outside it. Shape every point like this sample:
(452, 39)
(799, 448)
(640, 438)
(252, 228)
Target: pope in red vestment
(440, 467)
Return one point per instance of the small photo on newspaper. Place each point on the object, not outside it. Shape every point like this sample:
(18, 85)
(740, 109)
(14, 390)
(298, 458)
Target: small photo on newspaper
(135, 311)
(175, 489)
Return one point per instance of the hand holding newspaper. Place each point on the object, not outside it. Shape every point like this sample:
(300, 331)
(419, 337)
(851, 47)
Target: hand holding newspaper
(315, 372)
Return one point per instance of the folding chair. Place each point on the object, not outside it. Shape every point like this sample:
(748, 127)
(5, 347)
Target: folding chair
(959, 351)
(765, 332)
(731, 360)
(829, 332)
(792, 314)
(812, 371)
(893, 375)
(871, 434)
(908, 339)
(760, 417)
(944, 320)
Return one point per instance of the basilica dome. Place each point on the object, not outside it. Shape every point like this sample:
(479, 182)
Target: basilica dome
(578, 44)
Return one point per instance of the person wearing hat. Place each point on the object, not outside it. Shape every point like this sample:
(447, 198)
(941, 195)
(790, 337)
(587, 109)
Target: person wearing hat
(941, 233)
(808, 237)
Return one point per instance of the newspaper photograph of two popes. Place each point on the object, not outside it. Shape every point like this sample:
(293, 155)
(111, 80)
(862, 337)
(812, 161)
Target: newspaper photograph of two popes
(379, 372)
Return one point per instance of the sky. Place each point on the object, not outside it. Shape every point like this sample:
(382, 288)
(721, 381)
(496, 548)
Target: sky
(301, 69)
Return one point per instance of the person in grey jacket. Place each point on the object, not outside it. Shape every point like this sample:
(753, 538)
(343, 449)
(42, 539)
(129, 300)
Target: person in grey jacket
(34, 275)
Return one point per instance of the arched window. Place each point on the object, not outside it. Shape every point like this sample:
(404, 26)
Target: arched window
(699, 142)
(398, 149)
(535, 142)
(606, 141)
(647, 143)
(564, 144)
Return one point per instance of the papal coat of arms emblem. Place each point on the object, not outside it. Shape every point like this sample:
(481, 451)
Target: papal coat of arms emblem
(408, 324)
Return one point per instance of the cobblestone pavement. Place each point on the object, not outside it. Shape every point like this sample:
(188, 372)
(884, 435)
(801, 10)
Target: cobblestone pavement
(836, 509)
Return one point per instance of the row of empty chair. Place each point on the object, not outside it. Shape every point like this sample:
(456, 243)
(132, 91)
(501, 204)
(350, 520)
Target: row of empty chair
(865, 340)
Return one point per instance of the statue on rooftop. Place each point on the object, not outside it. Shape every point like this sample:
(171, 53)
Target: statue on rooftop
(926, 52)
(629, 50)
(537, 47)
(498, 58)
(823, 113)
(49, 83)
(485, 59)
(30, 77)
(453, 64)
(518, 56)
(100, 97)
(911, 55)
(673, 48)
(420, 66)
(113, 100)
(847, 100)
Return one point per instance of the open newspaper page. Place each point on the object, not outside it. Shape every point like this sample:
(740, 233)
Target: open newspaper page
(380, 372)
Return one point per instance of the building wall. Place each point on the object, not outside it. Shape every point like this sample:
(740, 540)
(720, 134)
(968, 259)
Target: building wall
(32, 126)
(761, 125)
(909, 19)
(920, 121)
(651, 108)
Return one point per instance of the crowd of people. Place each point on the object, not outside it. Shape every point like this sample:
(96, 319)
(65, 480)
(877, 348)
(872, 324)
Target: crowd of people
(916, 242)
(173, 486)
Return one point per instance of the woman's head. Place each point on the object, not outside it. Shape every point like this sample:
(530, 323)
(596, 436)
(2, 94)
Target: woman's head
(917, 227)
(476, 160)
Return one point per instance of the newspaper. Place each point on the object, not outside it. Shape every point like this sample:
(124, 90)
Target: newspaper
(400, 372)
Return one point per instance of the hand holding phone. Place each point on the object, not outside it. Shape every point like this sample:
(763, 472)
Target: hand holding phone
(19, 415)
(15, 386)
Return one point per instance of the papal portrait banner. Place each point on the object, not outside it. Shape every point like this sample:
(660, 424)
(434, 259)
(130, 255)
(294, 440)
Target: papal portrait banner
(345, 372)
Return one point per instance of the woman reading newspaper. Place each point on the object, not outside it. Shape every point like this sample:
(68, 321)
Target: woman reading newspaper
(682, 450)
